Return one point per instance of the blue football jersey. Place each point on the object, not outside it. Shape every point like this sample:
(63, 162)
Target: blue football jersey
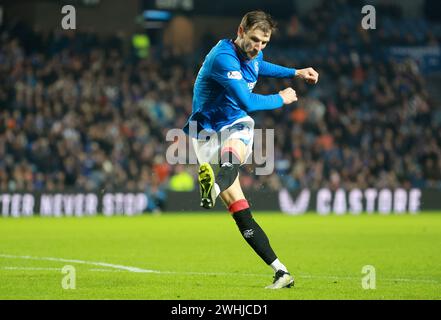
(223, 88)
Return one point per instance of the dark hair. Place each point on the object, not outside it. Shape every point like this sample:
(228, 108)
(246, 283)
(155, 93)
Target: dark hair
(258, 19)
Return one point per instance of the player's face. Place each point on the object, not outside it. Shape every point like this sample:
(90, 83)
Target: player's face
(253, 41)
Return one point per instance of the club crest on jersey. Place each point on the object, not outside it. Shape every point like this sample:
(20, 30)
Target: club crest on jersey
(234, 75)
(256, 66)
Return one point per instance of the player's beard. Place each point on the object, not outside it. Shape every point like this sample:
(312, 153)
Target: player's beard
(250, 51)
(252, 54)
(247, 49)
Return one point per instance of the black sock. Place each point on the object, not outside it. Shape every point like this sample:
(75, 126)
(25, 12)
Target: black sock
(254, 235)
(229, 169)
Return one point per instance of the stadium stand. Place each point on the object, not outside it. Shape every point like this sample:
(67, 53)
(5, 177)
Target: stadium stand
(81, 112)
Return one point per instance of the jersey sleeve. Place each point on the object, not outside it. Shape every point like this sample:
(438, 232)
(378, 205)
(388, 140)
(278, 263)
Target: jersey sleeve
(267, 69)
(226, 71)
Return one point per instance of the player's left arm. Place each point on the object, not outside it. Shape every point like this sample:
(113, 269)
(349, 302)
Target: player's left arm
(268, 69)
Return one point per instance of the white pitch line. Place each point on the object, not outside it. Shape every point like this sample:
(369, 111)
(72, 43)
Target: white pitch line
(104, 270)
(192, 273)
(101, 264)
(139, 270)
(29, 268)
(50, 269)
(356, 278)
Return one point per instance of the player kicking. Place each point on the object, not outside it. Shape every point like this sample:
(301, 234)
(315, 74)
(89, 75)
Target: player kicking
(223, 135)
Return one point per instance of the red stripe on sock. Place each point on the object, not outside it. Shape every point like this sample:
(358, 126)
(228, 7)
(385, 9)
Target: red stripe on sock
(230, 149)
(239, 205)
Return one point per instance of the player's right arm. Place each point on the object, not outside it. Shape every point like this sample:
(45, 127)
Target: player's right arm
(226, 71)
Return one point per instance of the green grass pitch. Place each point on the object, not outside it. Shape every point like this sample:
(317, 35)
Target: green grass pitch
(203, 256)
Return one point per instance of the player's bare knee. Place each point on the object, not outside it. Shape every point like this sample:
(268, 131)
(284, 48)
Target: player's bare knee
(235, 147)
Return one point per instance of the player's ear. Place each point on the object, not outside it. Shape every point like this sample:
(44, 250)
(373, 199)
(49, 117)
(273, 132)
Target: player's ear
(240, 31)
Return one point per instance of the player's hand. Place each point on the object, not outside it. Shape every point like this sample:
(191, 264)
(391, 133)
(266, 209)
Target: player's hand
(288, 95)
(309, 74)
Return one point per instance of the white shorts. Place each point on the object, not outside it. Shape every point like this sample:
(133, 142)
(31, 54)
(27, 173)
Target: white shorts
(209, 150)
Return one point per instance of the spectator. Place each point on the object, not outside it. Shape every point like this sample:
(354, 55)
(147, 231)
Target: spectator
(77, 112)
(182, 180)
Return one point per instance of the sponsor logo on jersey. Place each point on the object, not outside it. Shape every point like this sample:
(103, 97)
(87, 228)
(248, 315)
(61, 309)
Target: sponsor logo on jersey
(251, 85)
(234, 75)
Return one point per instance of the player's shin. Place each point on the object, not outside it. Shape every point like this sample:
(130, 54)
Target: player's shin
(251, 231)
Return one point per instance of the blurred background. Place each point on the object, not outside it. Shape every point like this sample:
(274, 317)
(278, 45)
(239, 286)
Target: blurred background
(87, 110)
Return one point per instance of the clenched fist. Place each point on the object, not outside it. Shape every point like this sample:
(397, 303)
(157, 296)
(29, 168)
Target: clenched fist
(309, 74)
(288, 95)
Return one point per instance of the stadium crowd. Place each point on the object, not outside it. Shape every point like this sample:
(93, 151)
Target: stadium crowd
(79, 112)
